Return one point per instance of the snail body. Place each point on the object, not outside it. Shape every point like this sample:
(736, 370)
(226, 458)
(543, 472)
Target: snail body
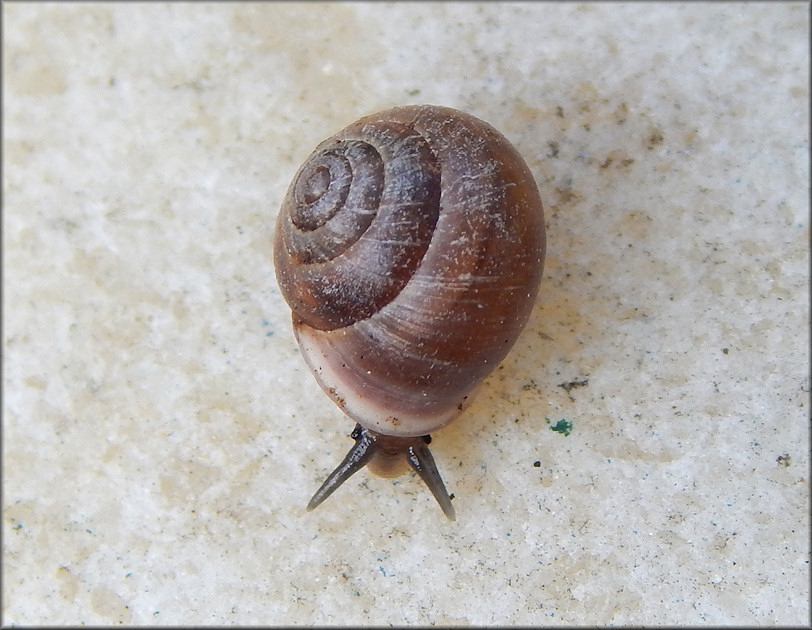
(410, 248)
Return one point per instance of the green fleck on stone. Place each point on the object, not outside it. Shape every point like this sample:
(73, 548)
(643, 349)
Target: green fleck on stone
(562, 426)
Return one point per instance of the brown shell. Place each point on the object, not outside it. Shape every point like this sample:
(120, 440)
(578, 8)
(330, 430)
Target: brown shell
(410, 247)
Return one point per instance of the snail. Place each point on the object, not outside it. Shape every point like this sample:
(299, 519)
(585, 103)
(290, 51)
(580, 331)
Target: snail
(409, 247)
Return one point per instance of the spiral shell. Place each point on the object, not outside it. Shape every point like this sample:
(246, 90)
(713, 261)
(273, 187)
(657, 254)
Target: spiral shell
(410, 247)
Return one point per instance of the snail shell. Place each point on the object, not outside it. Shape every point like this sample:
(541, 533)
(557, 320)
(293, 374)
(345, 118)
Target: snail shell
(410, 248)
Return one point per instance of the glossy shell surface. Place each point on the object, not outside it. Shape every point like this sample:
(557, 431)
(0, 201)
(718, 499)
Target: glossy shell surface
(410, 247)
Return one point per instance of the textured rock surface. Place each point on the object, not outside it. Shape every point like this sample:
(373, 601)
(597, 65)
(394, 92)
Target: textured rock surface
(162, 434)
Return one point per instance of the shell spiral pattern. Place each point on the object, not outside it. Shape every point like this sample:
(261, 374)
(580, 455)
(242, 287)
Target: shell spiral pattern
(410, 247)
(356, 223)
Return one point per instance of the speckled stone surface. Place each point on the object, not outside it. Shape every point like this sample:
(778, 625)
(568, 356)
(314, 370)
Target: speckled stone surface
(162, 435)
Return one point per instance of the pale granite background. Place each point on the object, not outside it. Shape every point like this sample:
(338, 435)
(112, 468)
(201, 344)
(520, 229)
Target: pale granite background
(161, 434)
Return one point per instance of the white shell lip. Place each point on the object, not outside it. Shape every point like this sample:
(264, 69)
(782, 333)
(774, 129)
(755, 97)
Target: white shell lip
(384, 417)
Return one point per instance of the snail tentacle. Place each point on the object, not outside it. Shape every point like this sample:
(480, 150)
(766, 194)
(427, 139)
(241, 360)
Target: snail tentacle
(386, 456)
(355, 460)
(422, 461)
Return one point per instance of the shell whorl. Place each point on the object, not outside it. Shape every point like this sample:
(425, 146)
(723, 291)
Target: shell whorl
(406, 296)
(356, 223)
